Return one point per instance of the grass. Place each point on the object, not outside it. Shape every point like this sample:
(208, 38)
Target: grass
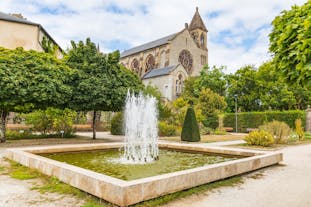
(210, 138)
(307, 135)
(21, 172)
(52, 184)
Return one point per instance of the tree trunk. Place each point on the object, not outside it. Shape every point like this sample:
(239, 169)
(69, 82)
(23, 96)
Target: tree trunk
(4, 116)
(94, 125)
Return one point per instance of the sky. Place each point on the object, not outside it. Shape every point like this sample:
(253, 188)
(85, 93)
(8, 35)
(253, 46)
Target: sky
(238, 30)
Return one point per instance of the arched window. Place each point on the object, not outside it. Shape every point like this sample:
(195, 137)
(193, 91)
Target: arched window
(185, 58)
(135, 66)
(202, 40)
(179, 84)
(150, 63)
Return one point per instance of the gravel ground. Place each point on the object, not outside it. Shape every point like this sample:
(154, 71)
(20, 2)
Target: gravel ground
(288, 184)
(18, 193)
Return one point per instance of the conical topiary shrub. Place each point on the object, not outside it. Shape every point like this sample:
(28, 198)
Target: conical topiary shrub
(190, 130)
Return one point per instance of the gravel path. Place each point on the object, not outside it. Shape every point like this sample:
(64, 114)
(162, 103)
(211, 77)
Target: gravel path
(18, 193)
(284, 185)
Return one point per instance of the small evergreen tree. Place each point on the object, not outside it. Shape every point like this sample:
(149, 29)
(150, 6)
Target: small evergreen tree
(190, 131)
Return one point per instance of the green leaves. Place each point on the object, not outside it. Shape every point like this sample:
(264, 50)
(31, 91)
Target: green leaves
(30, 77)
(290, 42)
(101, 83)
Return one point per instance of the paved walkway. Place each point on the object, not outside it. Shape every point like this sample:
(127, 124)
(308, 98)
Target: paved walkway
(286, 185)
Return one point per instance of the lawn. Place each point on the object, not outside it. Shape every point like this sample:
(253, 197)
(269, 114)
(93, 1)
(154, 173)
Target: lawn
(210, 138)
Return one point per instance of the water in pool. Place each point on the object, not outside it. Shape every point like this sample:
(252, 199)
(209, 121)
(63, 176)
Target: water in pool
(106, 162)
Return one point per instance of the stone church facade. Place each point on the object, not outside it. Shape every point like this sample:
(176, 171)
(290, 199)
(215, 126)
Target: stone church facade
(167, 62)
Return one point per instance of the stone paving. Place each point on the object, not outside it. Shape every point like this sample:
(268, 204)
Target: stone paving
(280, 186)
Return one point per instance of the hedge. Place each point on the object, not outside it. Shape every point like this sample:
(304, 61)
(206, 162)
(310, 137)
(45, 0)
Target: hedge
(117, 126)
(255, 119)
(190, 130)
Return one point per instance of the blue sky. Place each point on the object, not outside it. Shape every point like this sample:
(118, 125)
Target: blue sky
(238, 29)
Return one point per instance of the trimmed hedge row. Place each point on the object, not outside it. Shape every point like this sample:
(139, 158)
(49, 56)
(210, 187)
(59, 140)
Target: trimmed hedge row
(255, 119)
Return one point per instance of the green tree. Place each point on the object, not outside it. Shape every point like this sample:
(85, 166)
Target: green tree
(102, 83)
(290, 42)
(243, 84)
(31, 80)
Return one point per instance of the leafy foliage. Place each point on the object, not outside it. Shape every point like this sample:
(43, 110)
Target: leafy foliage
(255, 119)
(290, 41)
(299, 129)
(279, 130)
(32, 80)
(52, 120)
(117, 124)
(102, 82)
(259, 138)
(190, 130)
(166, 129)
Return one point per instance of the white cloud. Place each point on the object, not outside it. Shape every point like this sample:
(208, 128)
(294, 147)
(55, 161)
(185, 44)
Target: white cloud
(238, 33)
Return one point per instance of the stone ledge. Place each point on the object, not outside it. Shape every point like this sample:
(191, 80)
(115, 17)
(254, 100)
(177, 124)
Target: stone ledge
(124, 193)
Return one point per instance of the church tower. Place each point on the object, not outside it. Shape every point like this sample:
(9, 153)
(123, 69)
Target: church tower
(198, 30)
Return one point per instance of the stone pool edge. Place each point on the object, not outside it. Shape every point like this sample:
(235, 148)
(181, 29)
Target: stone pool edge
(124, 193)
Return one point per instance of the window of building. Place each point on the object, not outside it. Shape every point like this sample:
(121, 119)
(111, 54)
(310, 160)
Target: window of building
(202, 40)
(135, 66)
(185, 58)
(203, 60)
(150, 63)
(179, 85)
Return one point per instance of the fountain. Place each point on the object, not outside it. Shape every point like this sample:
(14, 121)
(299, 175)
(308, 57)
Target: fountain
(138, 177)
(141, 131)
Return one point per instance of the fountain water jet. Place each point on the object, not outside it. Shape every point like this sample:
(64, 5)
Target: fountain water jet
(141, 131)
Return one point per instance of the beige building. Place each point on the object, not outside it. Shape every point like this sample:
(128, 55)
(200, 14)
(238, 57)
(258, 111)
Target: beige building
(168, 61)
(16, 31)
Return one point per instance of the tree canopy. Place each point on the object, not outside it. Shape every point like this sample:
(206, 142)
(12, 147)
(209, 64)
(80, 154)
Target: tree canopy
(290, 42)
(32, 80)
(102, 82)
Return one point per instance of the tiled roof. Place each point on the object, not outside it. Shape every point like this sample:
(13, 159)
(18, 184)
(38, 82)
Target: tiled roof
(149, 45)
(11, 18)
(159, 72)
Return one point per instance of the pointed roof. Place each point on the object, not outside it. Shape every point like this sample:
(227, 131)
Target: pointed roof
(197, 22)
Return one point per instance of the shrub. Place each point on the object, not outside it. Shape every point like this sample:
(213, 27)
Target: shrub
(293, 137)
(219, 132)
(166, 129)
(211, 121)
(279, 130)
(52, 121)
(299, 129)
(255, 119)
(259, 138)
(190, 130)
(16, 135)
(117, 124)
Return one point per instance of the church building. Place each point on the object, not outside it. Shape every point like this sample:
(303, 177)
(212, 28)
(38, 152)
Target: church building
(167, 62)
